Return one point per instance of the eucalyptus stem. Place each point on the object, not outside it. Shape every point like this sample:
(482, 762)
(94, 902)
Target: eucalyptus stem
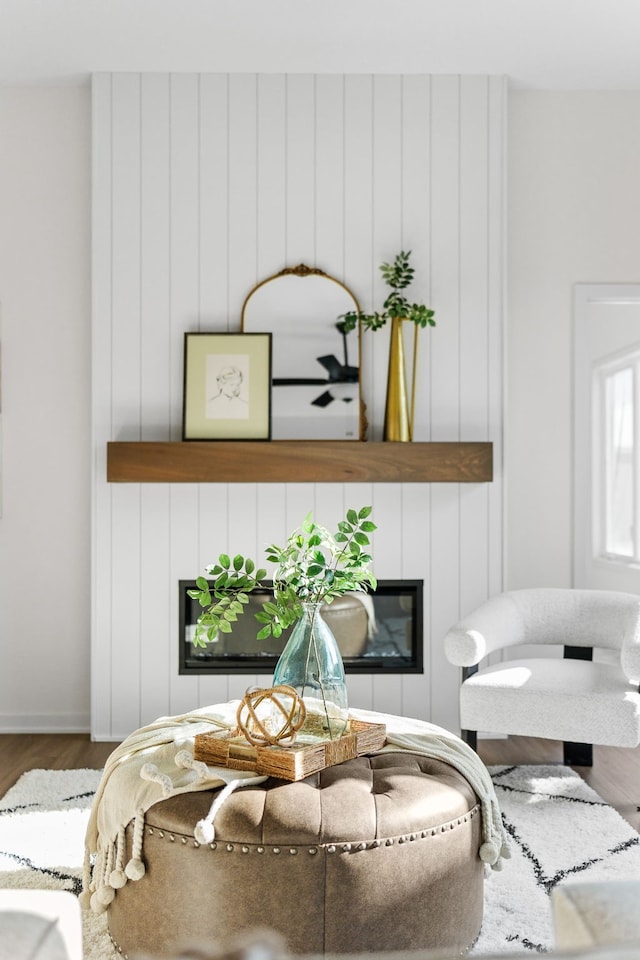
(314, 565)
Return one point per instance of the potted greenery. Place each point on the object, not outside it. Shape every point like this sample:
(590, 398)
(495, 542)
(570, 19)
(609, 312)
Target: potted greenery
(313, 568)
(397, 275)
(398, 420)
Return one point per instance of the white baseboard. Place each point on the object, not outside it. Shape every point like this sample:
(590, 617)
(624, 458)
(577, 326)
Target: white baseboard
(45, 723)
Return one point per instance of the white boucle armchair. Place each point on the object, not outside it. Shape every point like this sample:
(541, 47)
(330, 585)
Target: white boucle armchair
(576, 699)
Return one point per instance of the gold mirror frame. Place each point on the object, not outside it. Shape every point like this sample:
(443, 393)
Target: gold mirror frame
(316, 382)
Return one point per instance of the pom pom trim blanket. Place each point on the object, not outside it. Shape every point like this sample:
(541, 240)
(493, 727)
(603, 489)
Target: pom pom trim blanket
(156, 762)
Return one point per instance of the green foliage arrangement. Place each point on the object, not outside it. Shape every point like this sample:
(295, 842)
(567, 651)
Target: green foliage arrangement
(397, 275)
(314, 566)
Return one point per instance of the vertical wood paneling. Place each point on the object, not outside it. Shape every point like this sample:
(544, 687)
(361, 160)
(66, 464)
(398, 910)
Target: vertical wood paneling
(387, 504)
(185, 229)
(360, 687)
(126, 610)
(183, 526)
(299, 500)
(444, 582)
(101, 432)
(185, 160)
(300, 168)
(415, 538)
(242, 191)
(359, 255)
(155, 388)
(271, 201)
(126, 335)
(155, 246)
(202, 186)
(242, 524)
(329, 175)
(416, 236)
(444, 602)
(473, 257)
(215, 313)
(474, 338)
(445, 257)
(213, 202)
(387, 218)
(157, 630)
(496, 241)
(416, 227)
(213, 538)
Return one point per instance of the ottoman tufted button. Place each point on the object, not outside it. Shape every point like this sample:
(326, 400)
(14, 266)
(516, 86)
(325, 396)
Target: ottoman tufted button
(375, 854)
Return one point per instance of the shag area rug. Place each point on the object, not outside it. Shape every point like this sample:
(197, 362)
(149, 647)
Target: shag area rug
(560, 831)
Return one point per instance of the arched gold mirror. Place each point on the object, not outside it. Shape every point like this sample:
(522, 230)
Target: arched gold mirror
(315, 392)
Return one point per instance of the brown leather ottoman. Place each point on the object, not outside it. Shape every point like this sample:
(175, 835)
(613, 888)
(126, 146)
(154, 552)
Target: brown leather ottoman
(378, 853)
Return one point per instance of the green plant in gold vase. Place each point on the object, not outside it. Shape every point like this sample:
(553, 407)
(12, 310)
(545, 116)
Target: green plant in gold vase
(313, 568)
(399, 415)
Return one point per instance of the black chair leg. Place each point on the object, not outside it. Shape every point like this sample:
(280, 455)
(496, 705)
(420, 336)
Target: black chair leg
(471, 738)
(578, 754)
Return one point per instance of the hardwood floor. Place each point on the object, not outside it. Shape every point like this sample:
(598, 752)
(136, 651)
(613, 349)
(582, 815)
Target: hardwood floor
(53, 751)
(615, 774)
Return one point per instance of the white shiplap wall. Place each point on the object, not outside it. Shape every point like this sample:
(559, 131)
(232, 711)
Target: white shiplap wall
(204, 184)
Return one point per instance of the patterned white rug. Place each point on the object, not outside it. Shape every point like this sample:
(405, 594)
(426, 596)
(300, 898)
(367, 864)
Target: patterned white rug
(560, 831)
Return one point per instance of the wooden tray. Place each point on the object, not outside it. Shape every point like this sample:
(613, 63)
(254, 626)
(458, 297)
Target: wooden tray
(289, 763)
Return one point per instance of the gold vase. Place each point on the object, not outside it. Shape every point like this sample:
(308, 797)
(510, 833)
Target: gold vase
(398, 423)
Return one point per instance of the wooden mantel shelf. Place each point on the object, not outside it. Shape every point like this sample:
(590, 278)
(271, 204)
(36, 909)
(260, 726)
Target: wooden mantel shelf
(301, 461)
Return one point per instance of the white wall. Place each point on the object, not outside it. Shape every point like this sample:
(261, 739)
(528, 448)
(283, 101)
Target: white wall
(45, 461)
(204, 185)
(574, 217)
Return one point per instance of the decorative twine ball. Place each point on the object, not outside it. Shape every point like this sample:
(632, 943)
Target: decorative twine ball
(263, 728)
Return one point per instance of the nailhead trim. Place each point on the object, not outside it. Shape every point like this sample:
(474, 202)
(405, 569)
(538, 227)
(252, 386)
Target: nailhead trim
(118, 947)
(331, 848)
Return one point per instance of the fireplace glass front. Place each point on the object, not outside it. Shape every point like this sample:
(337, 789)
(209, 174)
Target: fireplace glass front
(378, 632)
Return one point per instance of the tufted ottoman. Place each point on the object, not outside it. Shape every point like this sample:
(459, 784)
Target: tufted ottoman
(378, 853)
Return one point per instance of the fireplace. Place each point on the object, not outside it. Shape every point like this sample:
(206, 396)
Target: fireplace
(380, 632)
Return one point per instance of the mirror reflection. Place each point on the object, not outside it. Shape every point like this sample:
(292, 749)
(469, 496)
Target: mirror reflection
(315, 392)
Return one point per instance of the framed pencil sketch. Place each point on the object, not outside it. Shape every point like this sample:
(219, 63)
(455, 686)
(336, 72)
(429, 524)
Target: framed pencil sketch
(227, 386)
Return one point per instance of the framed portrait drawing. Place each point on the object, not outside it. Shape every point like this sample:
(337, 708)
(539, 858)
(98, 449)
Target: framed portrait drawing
(227, 386)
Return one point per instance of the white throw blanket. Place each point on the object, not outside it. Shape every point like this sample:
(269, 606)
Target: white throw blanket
(156, 762)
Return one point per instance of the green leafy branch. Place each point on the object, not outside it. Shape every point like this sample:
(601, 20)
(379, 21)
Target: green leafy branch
(313, 567)
(397, 275)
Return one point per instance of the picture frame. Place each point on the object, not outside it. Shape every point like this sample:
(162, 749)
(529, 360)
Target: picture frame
(227, 386)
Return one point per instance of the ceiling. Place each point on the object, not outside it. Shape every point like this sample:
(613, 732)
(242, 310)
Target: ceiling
(539, 44)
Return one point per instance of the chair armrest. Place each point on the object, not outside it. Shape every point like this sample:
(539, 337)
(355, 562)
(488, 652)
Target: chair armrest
(495, 624)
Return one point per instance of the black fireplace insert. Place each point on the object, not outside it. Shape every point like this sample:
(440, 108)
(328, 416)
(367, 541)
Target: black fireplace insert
(379, 632)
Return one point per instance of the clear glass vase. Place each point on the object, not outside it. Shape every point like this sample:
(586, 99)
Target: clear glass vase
(311, 663)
